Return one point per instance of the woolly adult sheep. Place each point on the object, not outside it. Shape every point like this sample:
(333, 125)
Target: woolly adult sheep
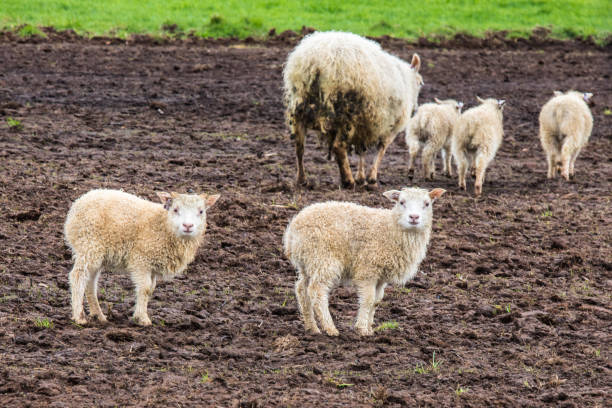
(354, 94)
(476, 137)
(565, 127)
(431, 128)
(110, 229)
(333, 242)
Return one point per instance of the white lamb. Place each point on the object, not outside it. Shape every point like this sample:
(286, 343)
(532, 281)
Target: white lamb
(476, 137)
(110, 229)
(432, 128)
(565, 127)
(332, 242)
(353, 93)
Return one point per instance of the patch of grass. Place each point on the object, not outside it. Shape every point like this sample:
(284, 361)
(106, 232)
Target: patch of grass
(44, 323)
(204, 378)
(546, 214)
(338, 383)
(607, 112)
(433, 367)
(404, 19)
(460, 390)
(28, 30)
(14, 124)
(387, 326)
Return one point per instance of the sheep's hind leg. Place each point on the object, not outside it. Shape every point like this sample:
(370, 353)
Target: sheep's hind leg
(429, 166)
(367, 300)
(318, 292)
(480, 167)
(346, 176)
(92, 295)
(566, 157)
(572, 163)
(78, 278)
(361, 178)
(305, 304)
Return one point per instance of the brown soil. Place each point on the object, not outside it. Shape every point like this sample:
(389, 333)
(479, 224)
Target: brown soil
(514, 298)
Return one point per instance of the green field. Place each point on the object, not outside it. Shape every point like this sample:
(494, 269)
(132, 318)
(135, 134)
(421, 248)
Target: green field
(404, 19)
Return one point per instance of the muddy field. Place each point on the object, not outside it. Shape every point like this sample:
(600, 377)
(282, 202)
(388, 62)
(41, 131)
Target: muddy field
(512, 307)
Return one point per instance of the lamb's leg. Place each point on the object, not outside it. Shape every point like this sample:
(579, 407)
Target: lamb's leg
(566, 157)
(367, 300)
(318, 292)
(298, 131)
(429, 167)
(462, 167)
(447, 160)
(78, 278)
(413, 150)
(573, 162)
(346, 176)
(380, 293)
(305, 304)
(145, 285)
(382, 148)
(92, 295)
(360, 180)
(552, 165)
(480, 167)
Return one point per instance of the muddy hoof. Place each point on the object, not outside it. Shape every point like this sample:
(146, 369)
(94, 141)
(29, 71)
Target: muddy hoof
(348, 185)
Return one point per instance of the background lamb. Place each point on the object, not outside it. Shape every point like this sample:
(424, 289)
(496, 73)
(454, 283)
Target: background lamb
(476, 137)
(431, 128)
(337, 241)
(353, 93)
(565, 127)
(110, 229)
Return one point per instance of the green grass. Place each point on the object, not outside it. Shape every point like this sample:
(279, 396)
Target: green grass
(44, 323)
(405, 19)
(387, 326)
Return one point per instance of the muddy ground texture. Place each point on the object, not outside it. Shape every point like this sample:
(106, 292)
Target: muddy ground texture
(512, 307)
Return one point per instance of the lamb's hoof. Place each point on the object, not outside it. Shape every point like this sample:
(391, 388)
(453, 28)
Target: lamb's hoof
(301, 182)
(332, 332)
(80, 320)
(313, 330)
(348, 185)
(360, 181)
(142, 320)
(365, 332)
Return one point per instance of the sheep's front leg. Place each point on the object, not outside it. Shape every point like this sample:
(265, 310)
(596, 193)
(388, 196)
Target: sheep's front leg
(145, 285)
(380, 293)
(367, 301)
(413, 149)
(346, 176)
(552, 165)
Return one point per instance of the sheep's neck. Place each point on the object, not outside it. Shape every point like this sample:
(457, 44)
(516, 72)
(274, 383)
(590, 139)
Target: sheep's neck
(180, 251)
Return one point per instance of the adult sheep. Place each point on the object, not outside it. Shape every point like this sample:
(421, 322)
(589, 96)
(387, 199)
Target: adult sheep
(354, 94)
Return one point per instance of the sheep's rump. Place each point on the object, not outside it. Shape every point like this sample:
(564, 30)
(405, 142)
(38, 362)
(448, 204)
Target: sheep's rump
(343, 85)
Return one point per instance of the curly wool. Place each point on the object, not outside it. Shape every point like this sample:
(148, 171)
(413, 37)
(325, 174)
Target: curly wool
(566, 123)
(335, 81)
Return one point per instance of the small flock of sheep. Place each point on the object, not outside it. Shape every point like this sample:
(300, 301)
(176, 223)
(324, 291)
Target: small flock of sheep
(356, 96)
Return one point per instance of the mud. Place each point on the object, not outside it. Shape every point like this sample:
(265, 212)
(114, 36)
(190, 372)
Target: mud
(512, 307)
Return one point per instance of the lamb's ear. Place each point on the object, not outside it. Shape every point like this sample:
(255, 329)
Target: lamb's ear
(479, 99)
(459, 106)
(165, 198)
(392, 195)
(500, 103)
(437, 101)
(210, 200)
(416, 62)
(436, 193)
(557, 93)
(586, 96)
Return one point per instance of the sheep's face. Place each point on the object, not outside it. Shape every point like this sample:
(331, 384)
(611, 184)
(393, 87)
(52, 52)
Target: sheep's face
(187, 212)
(413, 206)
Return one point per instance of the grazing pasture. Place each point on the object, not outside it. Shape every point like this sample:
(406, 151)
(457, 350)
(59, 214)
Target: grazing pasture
(511, 306)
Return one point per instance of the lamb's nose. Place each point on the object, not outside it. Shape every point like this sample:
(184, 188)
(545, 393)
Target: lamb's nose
(187, 226)
(414, 217)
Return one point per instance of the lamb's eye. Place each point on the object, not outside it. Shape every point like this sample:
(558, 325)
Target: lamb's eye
(176, 210)
(426, 203)
(201, 212)
(402, 202)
